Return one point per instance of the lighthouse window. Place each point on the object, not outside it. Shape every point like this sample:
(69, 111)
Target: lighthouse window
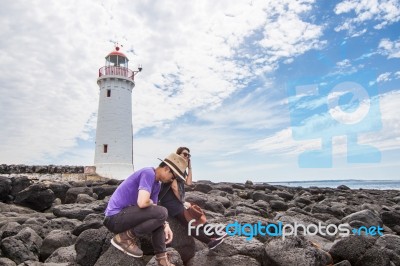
(108, 93)
(105, 148)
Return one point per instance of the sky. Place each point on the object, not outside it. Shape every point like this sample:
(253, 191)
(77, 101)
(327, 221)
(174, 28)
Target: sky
(258, 90)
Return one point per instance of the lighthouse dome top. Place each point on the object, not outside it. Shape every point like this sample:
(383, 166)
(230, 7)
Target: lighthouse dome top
(117, 58)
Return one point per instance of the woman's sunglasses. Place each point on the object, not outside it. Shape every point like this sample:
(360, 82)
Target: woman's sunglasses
(186, 154)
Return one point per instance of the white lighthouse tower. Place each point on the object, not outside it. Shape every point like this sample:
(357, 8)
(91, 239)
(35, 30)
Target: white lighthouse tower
(114, 151)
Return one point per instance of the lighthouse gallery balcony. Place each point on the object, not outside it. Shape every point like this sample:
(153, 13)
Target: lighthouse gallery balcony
(117, 71)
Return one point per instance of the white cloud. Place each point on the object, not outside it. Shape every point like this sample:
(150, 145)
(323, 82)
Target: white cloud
(343, 63)
(194, 56)
(383, 12)
(389, 48)
(384, 77)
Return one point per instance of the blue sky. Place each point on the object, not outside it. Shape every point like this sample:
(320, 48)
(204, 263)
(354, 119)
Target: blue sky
(259, 90)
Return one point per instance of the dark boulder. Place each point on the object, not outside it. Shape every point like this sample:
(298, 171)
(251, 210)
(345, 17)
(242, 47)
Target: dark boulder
(5, 188)
(54, 240)
(37, 197)
(60, 224)
(294, 250)
(205, 188)
(390, 218)
(6, 262)
(9, 229)
(91, 221)
(278, 205)
(196, 197)
(224, 187)
(23, 246)
(351, 248)
(265, 197)
(60, 189)
(215, 206)
(72, 193)
(63, 255)
(363, 218)
(114, 257)
(75, 211)
(285, 195)
(91, 244)
(212, 258)
(20, 183)
(173, 256)
(104, 191)
(182, 242)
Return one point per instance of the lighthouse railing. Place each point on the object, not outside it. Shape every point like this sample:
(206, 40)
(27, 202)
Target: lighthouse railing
(116, 71)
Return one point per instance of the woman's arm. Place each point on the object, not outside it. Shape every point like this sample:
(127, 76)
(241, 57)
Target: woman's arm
(189, 176)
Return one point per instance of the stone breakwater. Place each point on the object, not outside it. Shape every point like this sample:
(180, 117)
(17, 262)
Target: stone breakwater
(51, 221)
(6, 169)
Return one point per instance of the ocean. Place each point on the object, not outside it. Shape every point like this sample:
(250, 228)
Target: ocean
(351, 183)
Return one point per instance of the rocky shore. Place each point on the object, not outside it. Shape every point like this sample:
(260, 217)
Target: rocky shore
(50, 220)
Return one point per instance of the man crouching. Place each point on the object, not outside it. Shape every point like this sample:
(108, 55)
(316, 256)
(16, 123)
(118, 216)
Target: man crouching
(132, 209)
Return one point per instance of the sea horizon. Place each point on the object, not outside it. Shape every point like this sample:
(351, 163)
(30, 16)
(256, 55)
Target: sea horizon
(334, 183)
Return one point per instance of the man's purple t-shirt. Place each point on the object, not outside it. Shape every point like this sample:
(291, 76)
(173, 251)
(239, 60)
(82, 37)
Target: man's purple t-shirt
(127, 192)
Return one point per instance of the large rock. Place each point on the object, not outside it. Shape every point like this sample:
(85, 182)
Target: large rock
(104, 191)
(54, 240)
(5, 188)
(72, 193)
(224, 200)
(205, 188)
(236, 210)
(63, 255)
(278, 205)
(19, 183)
(91, 221)
(196, 197)
(10, 229)
(351, 248)
(211, 258)
(91, 244)
(265, 197)
(294, 250)
(78, 211)
(224, 187)
(182, 242)
(391, 242)
(7, 262)
(321, 208)
(60, 224)
(390, 218)
(85, 199)
(37, 197)
(23, 246)
(215, 206)
(240, 245)
(173, 257)
(60, 189)
(114, 257)
(285, 195)
(363, 218)
(378, 256)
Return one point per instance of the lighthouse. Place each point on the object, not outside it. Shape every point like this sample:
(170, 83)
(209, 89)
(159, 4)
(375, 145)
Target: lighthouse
(114, 135)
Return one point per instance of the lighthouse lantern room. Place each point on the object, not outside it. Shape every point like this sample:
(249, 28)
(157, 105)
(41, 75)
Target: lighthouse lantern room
(114, 135)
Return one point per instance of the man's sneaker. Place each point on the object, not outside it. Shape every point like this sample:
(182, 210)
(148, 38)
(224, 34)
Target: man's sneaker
(127, 243)
(215, 242)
